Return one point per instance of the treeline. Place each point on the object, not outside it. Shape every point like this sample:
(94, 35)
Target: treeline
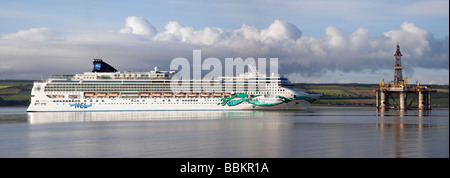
(14, 102)
(362, 94)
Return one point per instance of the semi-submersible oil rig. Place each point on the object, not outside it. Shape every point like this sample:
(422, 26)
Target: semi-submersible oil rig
(397, 91)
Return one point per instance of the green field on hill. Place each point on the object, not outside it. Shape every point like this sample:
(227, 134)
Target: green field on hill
(15, 93)
(18, 93)
(363, 95)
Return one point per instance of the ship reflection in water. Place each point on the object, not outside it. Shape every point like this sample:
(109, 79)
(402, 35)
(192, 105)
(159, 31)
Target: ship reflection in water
(49, 117)
(318, 132)
(164, 134)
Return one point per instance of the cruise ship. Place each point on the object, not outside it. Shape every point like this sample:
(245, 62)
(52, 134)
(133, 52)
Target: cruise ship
(106, 89)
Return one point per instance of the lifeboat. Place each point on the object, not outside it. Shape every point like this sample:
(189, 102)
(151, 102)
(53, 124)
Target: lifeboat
(180, 94)
(168, 94)
(226, 93)
(101, 94)
(217, 94)
(192, 94)
(145, 94)
(113, 94)
(156, 94)
(89, 94)
(206, 94)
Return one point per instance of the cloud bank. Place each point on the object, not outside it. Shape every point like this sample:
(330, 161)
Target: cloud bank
(138, 46)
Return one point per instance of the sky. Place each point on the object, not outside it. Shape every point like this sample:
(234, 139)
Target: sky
(315, 41)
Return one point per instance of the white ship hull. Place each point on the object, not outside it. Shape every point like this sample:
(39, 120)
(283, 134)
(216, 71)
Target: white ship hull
(127, 105)
(42, 103)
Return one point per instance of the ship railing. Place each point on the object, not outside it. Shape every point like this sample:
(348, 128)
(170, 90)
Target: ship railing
(62, 76)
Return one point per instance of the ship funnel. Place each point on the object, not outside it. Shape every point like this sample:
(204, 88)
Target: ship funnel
(100, 66)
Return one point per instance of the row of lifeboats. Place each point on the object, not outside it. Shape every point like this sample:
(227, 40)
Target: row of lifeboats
(55, 96)
(101, 94)
(184, 94)
(181, 94)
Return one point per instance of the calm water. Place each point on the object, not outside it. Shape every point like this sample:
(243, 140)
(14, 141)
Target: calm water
(320, 132)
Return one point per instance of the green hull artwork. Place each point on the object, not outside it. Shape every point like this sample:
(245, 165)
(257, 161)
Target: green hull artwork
(244, 98)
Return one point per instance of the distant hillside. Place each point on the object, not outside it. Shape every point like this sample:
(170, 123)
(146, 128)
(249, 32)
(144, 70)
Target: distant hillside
(18, 93)
(15, 92)
(355, 94)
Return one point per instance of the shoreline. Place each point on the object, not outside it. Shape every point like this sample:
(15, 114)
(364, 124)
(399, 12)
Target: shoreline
(337, 105)
(331, 105)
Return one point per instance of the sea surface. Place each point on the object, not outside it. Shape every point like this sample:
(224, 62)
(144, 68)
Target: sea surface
(321, 132)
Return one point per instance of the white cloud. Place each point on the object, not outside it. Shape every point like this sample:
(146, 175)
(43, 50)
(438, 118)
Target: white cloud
(416, 38)
(281, 30)
(32, 34)
(277, 31)
(337, 40)
(139, 46)
(359, 40)
(138, 26)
